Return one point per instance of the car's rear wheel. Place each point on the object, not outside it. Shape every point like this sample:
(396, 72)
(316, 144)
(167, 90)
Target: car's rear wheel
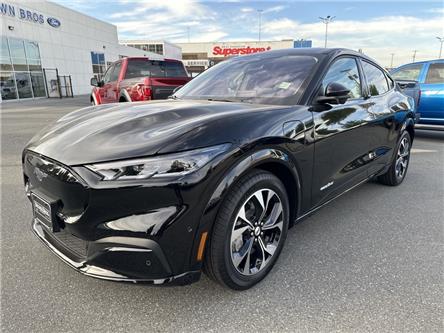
(249, 231)
(398, 169)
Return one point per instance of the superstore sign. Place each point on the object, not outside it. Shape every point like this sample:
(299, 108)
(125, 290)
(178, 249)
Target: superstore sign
(230, 51)
(27, 15)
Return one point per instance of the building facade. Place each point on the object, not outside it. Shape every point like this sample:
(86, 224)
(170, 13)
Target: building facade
(161, 47)
(42, 39)
(199, 56)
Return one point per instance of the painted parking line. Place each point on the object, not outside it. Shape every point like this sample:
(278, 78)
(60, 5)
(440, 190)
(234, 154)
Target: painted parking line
(417, 150)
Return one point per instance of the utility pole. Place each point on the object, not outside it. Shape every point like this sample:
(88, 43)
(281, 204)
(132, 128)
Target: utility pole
(391, 62)
(260, 22)
(188, 33)
(326, 21)
(441, 40)
(414, 55)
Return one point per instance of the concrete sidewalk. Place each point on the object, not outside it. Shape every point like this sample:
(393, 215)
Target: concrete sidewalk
(66, 104)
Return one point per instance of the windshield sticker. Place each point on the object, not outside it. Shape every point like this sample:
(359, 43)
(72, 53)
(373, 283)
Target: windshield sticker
(284, 85)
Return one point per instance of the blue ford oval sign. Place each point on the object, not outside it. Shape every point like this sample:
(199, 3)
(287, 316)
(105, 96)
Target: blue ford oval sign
(53, 22)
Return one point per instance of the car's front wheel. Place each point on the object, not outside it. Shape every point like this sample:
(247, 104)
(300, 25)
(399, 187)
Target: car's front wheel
(398, 169)
(249, 231)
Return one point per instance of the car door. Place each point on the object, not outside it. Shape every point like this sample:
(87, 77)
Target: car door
(341, 134)
(103, 90)
(382, 107)
(113, 93)
(432, 97)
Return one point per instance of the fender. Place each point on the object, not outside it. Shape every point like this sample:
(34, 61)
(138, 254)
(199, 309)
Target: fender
(255, 159)
(125, 94)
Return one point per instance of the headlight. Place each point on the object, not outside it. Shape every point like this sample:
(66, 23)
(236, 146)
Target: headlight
(178, 164)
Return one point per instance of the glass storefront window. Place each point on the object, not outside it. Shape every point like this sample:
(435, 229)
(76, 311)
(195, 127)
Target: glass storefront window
(7, 85)
(34, 65)
(17, 48)
(20, 69)
(23, 81)
(32, 50)
(38, 84)
(20, 64)
(18, 55)
(5, 59)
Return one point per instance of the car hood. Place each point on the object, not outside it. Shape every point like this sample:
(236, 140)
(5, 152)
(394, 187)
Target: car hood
(126, 130)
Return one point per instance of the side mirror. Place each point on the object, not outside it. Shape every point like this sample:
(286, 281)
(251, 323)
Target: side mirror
(335, 93)
(96, 83)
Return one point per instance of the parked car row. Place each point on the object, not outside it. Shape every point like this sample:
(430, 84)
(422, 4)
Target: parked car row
(430, 76)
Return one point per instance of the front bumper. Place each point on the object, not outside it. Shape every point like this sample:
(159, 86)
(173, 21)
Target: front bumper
(147, 232)
(114, 258)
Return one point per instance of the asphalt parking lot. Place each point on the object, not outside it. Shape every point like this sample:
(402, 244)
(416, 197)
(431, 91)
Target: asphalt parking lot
(372, 261)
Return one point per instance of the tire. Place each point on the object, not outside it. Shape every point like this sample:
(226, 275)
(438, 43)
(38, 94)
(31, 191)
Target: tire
(242, 230)
(398, 168)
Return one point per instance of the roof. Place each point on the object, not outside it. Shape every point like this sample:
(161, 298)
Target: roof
(316, 52)
(425, 61)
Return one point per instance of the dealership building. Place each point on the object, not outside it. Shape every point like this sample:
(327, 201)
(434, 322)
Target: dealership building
(199, 56)
(48, 50)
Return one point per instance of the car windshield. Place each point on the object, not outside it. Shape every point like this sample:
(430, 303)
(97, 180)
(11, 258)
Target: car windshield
(256, 79)
(155, 68)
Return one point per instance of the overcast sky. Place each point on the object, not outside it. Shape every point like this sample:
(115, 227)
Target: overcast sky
(379, 28)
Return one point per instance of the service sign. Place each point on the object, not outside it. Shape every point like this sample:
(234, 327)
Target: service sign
(28, 15)
(237, 50)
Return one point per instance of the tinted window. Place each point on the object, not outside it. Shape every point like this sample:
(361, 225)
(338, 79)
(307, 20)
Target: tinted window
(154, 68)
(409, 72)
(435, 74)
(174, 69)
(107, 75)
(252, 79)
(344, 71)
(377, 84)
(115, 74)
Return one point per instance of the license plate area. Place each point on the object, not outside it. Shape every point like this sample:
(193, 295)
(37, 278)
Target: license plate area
(43, 212)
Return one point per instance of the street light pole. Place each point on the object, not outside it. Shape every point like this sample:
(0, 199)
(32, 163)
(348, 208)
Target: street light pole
(391, 62)
(414, 55)
(441, 40)
(326, 21)
(188, 32)
(260, 22)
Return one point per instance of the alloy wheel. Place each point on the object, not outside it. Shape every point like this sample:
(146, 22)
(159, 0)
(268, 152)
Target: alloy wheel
(256, 232)
(402, 158)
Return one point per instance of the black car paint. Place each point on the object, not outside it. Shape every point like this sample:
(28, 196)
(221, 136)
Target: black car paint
(306, 145)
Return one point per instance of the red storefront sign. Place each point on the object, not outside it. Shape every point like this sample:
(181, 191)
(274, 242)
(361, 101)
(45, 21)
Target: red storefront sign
(229, 51)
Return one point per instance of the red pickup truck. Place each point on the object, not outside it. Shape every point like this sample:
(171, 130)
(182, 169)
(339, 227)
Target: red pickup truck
(138, 79)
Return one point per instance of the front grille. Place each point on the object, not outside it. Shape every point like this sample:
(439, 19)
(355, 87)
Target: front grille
(77, 246)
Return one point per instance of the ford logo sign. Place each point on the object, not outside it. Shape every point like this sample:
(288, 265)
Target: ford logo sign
(53, 22)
